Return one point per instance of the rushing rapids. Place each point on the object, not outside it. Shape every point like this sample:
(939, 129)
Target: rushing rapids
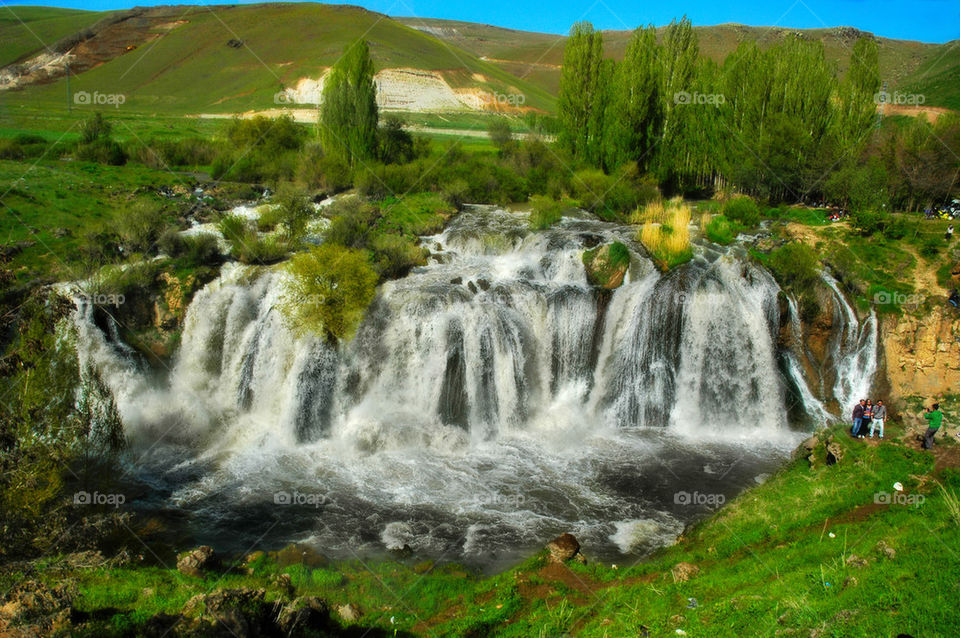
(489, 400)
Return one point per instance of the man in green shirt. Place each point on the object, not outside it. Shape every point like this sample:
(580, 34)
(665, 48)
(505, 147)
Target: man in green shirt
(935, 417)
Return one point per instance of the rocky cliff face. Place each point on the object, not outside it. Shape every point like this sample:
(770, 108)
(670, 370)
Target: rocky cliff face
(922, 354)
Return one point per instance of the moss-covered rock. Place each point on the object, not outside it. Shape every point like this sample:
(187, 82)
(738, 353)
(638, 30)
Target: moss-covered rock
(607, 265)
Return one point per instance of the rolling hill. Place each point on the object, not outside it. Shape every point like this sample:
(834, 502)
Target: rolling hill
(229, 59)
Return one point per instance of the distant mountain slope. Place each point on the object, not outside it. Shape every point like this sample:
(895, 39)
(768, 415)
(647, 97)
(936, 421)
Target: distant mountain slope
(938, 77)
(28, 30)
(236, 58)
(537, 56)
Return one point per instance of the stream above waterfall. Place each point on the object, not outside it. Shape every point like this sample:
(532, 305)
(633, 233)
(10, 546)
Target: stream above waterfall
(490, 401)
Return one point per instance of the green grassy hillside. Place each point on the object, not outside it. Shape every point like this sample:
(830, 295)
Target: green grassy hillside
(29, 30)
(938, 78)
(186, 66)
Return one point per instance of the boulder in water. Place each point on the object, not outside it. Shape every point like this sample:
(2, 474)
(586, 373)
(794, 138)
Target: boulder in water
(607, 265)
(563, 548)
(194, 562)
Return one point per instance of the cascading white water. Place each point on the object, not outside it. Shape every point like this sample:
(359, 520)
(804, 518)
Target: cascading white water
(853, 349)
(489, 400)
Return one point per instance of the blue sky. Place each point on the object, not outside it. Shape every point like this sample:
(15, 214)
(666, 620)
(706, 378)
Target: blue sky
(925, 20)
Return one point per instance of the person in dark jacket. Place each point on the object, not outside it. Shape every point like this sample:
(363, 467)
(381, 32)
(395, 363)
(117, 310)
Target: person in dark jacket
(858, 416)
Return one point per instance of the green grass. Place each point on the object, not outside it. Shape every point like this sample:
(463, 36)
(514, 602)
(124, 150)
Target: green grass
(938, 77)
(803, 552)
(49, 206)
(29, 30)
(416, 214)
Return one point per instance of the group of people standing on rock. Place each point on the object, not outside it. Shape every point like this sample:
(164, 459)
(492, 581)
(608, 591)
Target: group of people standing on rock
(867, 415)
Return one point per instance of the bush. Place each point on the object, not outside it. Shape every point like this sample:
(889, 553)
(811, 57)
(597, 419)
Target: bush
(293, 209)
(102, 151)
(721, 230)
(395, 256)
(394, 144)
(94, 128)
(795, 265)
(141, 226)
(247, 246)
(352, 223)
(10, 149)
(666, 233)
(742, 209)
(899, 227)
(329, 290)
(195, 250)
(868, 221)
(545, 212)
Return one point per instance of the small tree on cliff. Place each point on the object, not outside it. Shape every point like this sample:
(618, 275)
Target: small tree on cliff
(348, 115)
(329, 290)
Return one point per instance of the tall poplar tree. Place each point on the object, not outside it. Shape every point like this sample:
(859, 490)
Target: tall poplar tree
(348, 115)
(580, 89)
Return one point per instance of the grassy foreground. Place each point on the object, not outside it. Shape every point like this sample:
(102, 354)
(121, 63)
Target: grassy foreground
(820, 550)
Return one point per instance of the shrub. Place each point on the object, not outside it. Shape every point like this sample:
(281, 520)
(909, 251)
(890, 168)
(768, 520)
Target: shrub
(666, 234)
(719, 229)
(293, 209)
(329, 290)
(102, 151)
(195, 250)
(10, 149)
(94, 128)
(352, 223)
(141, 226)
(544, 212)
(394, 144)
(395, 256)
(868, 221)
(795, 265)
(742, 209)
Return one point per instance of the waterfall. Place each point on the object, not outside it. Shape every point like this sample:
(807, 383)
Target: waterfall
(853, 349)
(489, 399)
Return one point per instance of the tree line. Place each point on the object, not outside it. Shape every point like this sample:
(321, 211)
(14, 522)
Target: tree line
(776, 123)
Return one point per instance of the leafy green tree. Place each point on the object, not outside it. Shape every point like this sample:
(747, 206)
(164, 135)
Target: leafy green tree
(348, 115)
(580, 87)
(636, 111)
(329, 290)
